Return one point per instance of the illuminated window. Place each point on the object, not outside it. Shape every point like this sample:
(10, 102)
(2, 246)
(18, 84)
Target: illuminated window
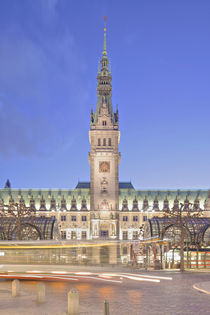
(63, 235)
(99, 142)
(135, 218)
(104, 142)
(73, 218)
(125, 235)
(73, 235)
(125, 218)
(110, 142)
(63, 218)
(84, 218)
(84, 235)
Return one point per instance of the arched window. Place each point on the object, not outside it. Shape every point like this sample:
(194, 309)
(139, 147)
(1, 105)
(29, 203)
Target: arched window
(110, 142)
(104, 142)
(99, 142)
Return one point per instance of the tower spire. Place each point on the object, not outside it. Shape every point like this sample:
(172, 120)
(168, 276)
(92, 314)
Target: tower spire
(104, 85)
(104, 50)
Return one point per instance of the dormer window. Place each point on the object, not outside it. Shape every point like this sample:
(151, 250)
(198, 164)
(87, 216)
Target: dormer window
(104, 122)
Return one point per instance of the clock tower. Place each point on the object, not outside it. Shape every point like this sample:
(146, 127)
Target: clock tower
(104, 156)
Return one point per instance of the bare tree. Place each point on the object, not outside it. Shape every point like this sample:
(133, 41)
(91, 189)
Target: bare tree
(17, 211)
(182, 216)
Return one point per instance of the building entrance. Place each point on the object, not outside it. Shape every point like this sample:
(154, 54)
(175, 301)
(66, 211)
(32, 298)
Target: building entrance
(104, 234)
(104, 254)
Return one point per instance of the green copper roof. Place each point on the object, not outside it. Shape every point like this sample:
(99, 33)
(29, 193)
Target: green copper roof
(126, 191)
(122, 185)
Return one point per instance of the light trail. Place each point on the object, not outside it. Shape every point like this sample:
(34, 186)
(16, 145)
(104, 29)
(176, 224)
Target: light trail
(43, 277)
(20, 276)
(75, 276)
(110, 274)
(105, 276)
(34, 271)
(100, 279)
(59, 272)
(55, 246)
(83, 273)
(145, 276)
(142, 279)
(60, 278)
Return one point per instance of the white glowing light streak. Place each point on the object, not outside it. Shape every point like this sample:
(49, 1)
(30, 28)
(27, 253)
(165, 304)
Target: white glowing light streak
(38, 277)
(21, 276)
(59, 272)
(100, 279)
(141, 279)
(105, 276)
(110, 274)
(145, 276)
(83, 273)
(62, 278)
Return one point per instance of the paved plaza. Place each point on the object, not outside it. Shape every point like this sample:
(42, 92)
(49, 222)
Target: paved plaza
(175, 296)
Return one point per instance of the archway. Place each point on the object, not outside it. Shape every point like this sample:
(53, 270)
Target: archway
(28, 232)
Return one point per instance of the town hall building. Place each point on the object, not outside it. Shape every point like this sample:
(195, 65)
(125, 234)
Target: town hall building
(103, 207)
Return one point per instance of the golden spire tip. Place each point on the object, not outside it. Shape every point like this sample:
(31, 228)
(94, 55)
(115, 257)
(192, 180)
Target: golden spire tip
(105, 18)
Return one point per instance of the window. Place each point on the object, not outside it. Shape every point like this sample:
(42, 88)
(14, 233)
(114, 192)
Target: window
(110, 142)
(84, 250)
(99, 142)
(125, 250)
(125, 218)
(73, 235)
(104, 142)
(84, 218)
(144, 218)
(63, 218)
(135, 235)
(104, 122)
(63, 235)
(125, 235)
(135, 218)
(73, 218)
(84, 235)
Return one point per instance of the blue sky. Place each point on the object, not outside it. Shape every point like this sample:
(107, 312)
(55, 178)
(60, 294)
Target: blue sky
(160, 57)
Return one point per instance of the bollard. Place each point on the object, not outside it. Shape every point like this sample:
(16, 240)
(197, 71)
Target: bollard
(40, 298)
(106, 307)
(73, 302)
(15, 288)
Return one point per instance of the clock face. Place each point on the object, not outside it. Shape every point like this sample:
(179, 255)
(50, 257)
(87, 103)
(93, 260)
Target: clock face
(104, 167)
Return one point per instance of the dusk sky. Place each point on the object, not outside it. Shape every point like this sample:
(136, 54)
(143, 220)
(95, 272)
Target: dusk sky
(160, 59)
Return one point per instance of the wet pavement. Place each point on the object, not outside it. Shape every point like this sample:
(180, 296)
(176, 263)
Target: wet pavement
(131, 297)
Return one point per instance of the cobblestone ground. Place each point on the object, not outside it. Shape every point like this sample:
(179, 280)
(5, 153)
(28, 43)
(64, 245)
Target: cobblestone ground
(130, 297)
